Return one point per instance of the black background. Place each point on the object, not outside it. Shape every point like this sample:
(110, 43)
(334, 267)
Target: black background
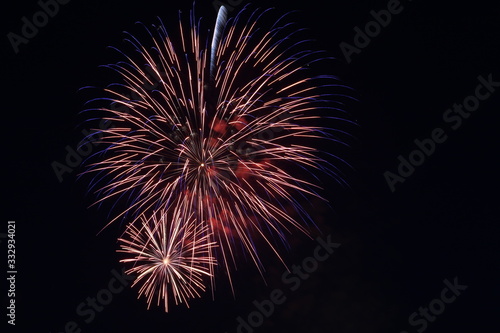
(397, 248)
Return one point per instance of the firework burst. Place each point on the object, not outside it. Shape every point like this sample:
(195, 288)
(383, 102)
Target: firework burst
(210, 144)
(170, 257)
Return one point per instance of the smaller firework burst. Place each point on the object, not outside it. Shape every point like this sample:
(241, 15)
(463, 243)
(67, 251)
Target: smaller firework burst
(171, 256)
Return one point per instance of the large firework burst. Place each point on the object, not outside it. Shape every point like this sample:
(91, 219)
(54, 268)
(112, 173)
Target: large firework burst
(207, 147)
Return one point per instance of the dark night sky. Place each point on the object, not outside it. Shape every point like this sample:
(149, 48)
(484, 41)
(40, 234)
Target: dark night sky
(397, 248)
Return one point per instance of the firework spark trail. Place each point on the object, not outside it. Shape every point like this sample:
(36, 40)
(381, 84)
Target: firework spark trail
(193, 150)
